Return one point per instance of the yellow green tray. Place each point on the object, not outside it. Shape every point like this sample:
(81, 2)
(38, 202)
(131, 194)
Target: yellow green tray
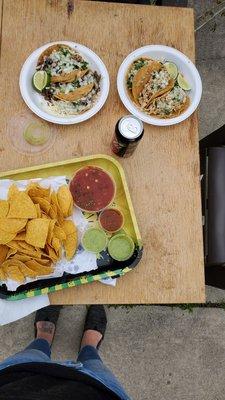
(122, 200)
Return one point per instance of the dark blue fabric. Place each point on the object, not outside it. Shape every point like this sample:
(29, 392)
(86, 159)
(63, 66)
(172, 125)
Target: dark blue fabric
(40, 344)
(88, 363)
(88, 353)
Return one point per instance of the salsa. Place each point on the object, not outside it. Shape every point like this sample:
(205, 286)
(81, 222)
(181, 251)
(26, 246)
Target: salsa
(111, 220)
(94, 240)
(121, 247)
(92, 189)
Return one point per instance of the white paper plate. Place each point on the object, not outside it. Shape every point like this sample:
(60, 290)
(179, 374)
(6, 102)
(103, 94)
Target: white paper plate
(36, 101)
(161, 53)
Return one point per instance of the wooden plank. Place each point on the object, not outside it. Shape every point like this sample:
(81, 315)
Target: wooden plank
(163, 175)
(1, 16)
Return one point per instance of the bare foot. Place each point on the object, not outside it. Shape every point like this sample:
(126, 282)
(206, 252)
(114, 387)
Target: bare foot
(45, 330)
(91, 338)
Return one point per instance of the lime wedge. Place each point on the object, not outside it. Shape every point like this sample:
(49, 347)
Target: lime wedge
(40, 80)
(36, 134)
(183, 83)
(171, 69)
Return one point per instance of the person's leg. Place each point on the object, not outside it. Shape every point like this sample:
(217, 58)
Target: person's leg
(89, 357)
(39, 350)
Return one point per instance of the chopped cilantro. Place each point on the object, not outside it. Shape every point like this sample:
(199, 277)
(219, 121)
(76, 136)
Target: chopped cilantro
(139, 63)
(129, 83)
(64, 51)
(84, 65)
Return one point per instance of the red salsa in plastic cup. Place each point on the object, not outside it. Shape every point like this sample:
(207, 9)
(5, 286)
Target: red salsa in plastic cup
(111, 220)
(92, 188)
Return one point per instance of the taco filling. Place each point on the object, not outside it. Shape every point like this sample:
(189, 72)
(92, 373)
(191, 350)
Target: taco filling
(72, 86)
(158, 82)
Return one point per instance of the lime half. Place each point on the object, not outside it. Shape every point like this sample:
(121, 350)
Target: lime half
(171, 69)
(94, 240)
(40, 80)
(183, 83)
(36, 133)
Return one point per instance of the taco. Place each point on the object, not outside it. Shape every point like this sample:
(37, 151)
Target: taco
(47, 52)
(70, 77)
(133, 70)
(150, 82)
(62, 63)
(76, 94)
(170, 104)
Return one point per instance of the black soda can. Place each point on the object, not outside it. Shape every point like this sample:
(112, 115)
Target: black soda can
(128, 133)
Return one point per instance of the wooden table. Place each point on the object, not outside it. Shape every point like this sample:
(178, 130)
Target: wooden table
(163, 175)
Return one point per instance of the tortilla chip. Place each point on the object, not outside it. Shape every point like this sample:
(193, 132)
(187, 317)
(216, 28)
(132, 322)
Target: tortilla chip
(2, 275)
(54, 201)
(76, 94)
(14, 273)
(64, 199)
(3, 253)
(44, 204)
(59, 233)
(26, 246)
(70, 211)
(11, 252)
(37, 232)
(12, 225)
(50, 252)
(68, 227)
(56, 245)
(28, 272)
(50, 230)
(21, 257)
(12, 191)
(6, 237)
(45, 216)
(36, 190)
(20, 236)
(38, 268)
(70, 244)
(38, 209)
(12, 270)
(42, 261)
(21, 206)
(4, 208)
(53, 212)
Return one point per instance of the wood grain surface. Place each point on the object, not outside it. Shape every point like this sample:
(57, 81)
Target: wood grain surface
(163, 174)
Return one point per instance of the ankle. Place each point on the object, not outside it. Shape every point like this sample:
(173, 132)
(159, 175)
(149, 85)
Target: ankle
(91, 338)
(45, 330)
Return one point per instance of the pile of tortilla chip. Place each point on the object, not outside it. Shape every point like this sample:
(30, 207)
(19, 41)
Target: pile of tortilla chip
(34, 230)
